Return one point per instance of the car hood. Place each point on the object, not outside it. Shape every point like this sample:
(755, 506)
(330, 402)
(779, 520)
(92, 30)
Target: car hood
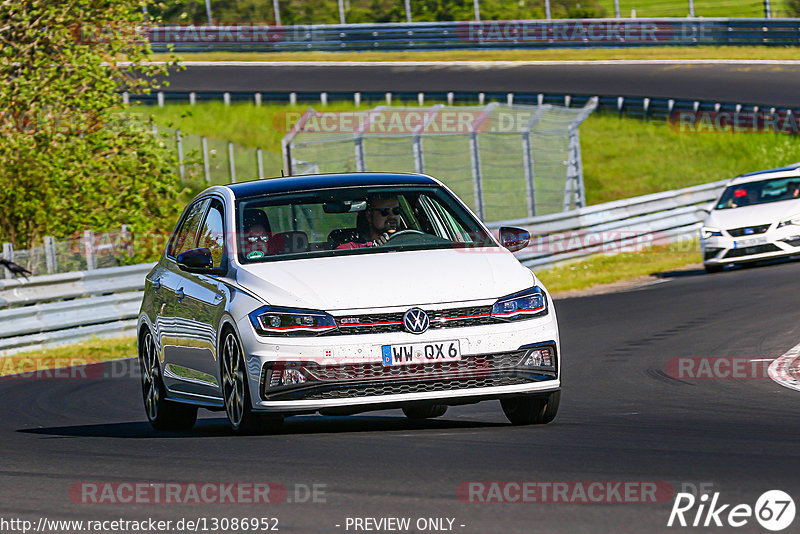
(753, 215)
(411, 278)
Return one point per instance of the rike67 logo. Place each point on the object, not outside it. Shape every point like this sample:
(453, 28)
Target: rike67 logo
(774, 510)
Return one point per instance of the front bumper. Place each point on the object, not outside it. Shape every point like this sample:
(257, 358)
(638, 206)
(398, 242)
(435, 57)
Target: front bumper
(348, 372)
(774, 243)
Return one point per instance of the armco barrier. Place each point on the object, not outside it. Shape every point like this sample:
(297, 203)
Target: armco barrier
(65, 308)
(614, 226)
(577, 33)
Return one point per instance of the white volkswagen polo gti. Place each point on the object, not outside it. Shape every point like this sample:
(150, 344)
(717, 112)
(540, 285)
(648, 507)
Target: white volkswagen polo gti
(757, 217)
(343, 293)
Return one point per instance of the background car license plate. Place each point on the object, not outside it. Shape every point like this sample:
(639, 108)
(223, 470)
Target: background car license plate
(744, 243)
(413, 353)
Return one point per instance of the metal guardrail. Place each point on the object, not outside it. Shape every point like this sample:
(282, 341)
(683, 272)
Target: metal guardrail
(613, 227)
(479, 35)
(640, 107)
(65, 308)
(57, 309)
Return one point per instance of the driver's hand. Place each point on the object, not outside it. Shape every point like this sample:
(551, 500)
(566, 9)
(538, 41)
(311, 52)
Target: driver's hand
(381, 240)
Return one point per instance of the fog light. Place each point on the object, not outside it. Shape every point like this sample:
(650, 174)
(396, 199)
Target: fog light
(291, 376)
(539, 358)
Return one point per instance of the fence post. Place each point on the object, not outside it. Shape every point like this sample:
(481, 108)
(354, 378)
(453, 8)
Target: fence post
(293, 99)
(181, 166)
(388, 99)
(616, 9)
(767, 9)
(88, 248)
(192, 98)
(477, 178)
(257, 98)
(691, 8)
(8, 254)
(527, 158)
(358, 143)
(277, 12)
(407, 5)
(260, 164)
(50, 254)
(510, 99)
(547, 9)
(226, 98)
(231, 163)
(341, 12)
(421, 99)
(477, 7)
(357, 99)
(126, 99)
(160, 99)
(323, 98)
(206, 164)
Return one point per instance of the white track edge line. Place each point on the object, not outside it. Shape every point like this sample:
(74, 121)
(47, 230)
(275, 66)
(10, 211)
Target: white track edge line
(481, 64)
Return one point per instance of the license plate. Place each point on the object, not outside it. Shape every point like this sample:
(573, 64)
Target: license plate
(744, 243)
(415, 353)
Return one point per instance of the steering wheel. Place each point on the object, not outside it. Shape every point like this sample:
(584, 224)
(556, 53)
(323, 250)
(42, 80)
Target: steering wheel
(392, 235)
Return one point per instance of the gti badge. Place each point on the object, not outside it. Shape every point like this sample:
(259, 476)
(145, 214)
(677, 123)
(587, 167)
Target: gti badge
(416, 321)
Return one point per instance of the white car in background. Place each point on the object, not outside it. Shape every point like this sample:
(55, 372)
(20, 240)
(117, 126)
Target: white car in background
(757, 217)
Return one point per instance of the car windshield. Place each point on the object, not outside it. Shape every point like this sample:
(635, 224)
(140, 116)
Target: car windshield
(354, 220)
(761, 192)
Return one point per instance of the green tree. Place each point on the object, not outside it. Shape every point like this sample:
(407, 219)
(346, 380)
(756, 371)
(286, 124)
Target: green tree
(70, 159)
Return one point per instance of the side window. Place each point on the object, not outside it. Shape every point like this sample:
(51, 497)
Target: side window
(212, 234)
(184, 238)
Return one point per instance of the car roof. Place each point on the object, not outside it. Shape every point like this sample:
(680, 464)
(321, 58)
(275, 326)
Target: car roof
(783, 172)
(311, 182)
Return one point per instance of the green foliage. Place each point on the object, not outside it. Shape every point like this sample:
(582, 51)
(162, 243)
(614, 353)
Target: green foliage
(363, 11)
(70, 159)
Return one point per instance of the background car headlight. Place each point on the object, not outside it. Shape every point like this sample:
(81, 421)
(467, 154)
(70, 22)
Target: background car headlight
(272, 321)
(709, 231)
(523, 305)
(793, 220)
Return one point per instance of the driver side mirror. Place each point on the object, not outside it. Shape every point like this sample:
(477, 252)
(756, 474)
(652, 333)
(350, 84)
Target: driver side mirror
(199, 261)
(513, 238)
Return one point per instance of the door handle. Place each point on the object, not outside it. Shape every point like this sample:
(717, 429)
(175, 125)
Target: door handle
(180, 294)
(156, 284)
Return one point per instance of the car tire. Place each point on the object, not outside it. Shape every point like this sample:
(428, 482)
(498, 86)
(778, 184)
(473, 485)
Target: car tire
(531, 409)
(425, 411)
(711, 269)
(236, 393)
(162, 414)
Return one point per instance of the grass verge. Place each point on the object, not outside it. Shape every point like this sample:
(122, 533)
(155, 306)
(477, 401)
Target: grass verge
(87, 352)
(551, 54)
(599, 270)
(622, 157)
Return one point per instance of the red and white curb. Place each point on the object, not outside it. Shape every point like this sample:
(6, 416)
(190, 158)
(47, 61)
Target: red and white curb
(786, 369)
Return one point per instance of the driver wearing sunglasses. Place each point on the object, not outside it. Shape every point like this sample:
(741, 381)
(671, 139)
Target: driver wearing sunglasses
(383, 218)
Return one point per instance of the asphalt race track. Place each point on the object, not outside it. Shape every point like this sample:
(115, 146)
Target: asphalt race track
(622, 418)
(759, 84)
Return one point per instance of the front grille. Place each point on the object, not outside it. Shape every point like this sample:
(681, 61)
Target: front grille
(466, 366)
(750, 251)
(336, 391)
(381, 323)
(792, 242)
(711, 253)
(749, 230)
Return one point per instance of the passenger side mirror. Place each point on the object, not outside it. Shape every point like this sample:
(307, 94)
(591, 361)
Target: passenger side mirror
(513, 238)
(199, 261)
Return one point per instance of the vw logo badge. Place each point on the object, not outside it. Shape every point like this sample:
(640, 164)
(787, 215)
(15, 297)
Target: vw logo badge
(416, 321)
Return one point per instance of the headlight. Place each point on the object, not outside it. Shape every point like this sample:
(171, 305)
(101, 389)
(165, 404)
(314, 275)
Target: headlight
(708, 231)
(793, 220)
(272, 321)
(522, 305)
